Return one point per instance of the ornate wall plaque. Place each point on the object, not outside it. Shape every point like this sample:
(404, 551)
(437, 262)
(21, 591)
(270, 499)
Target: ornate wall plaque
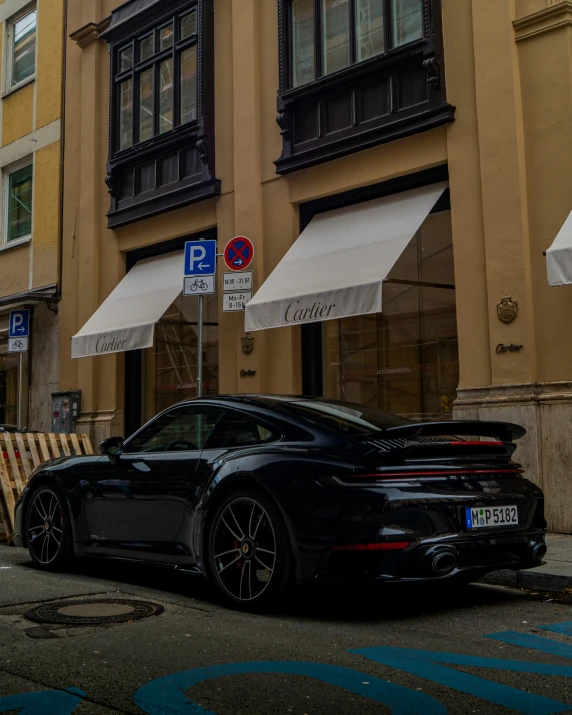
(507, 309)
(247, 343)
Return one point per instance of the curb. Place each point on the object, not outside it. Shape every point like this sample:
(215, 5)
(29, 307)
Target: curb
(532, 580)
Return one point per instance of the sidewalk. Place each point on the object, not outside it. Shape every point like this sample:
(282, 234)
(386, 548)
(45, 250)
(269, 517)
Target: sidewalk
(554, 575)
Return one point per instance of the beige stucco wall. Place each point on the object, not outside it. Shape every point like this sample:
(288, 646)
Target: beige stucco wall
(509, 160)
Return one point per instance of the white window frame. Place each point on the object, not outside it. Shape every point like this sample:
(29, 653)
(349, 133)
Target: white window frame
(6, 171)
(9, 50)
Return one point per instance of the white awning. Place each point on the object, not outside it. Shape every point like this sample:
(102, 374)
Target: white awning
(126, 318)
(559, 256)
(337, 266)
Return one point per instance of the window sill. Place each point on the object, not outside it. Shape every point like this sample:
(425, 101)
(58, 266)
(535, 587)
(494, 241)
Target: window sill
(15, 244)
(18, 87)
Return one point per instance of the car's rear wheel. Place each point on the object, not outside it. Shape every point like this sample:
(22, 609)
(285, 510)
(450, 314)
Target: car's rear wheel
(48, 529)
(249, 550)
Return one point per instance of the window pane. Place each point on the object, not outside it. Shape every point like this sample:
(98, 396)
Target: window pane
(166, 37)
(369, 28)
(24, 58)
(126, 114)
(126, 59)
(146, 105)
(336, 45)
(20, 204)
(237, 430)
(407, 21)
(188, 25)
(146, 48)
(179, 430)
(189, 85)
(303, 25)
(166, 97)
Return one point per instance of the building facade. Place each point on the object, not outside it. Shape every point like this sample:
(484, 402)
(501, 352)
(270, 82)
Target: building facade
(399, 166)
(30, 181)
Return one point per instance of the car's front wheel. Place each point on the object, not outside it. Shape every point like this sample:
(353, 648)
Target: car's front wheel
(48, 529)
(249, 550)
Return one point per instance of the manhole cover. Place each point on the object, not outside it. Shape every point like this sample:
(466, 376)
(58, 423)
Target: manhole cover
(93, 612)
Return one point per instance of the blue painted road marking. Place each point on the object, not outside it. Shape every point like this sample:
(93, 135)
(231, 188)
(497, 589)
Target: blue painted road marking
(166, 696)
(527, 640)
(44, 702)
(564, 628)
(428, 665)
(200, 258)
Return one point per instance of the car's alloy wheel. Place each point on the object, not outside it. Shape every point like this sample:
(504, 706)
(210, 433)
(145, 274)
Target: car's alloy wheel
(47, 529)
(249, 550)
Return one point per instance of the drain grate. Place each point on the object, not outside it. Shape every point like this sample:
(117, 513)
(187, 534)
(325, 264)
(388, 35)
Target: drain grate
(93, 612)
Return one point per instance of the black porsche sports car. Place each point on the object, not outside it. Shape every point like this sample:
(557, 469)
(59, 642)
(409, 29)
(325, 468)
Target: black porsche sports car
(253, 491)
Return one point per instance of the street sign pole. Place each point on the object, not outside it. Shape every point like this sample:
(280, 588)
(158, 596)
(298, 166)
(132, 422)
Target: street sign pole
(200, 349)
(200, 280)
(21, 391)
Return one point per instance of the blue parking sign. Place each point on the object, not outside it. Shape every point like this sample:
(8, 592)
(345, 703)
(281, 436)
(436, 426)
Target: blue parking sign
(200, 258)
(19, 326)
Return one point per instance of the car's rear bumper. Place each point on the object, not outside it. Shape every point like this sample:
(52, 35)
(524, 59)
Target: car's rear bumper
(455, 556)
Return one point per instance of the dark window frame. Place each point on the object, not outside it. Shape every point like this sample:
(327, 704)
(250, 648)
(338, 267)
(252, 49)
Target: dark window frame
(136, 179)
(134, 72)
(423, 56)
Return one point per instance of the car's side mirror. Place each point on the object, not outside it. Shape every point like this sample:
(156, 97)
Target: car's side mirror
(112, 447)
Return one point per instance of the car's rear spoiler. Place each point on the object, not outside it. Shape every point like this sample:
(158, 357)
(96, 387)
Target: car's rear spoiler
(504, 431)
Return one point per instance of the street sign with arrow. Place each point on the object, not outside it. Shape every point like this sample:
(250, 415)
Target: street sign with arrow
(200, 258)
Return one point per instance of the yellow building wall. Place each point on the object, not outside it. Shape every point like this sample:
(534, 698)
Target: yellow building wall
(46, 214)
(17, 114)
(36, 105)
(50, 57)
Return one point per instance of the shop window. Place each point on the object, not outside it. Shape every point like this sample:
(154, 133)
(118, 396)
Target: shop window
(9, 371)
(162, 102)
(21, 48)
(356, 73)
(18, 182)
(170, 366)
(404, 360)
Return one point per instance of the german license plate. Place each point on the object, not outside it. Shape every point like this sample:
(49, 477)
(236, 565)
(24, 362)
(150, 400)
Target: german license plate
(483, 517)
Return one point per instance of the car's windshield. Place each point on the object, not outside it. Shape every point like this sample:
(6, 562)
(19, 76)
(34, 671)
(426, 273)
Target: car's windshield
(344, 416)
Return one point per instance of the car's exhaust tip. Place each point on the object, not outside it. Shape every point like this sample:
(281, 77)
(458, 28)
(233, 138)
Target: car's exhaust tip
(441, 560)
(538, 550)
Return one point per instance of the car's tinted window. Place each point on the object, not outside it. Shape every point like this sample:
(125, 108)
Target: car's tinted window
(237, 429)
(344, 417)
(180, 429)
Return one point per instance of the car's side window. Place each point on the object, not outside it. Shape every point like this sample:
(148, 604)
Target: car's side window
(236, 429)
(179, 429)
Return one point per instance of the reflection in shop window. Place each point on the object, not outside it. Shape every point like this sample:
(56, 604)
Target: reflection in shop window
(405, 359)
(336, 42)
(8, 381)
(171, 364)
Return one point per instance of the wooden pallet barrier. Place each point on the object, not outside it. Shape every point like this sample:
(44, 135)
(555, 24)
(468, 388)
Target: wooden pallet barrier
(20, 454)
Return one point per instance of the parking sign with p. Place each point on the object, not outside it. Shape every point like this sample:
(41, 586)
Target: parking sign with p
(200, 258)
(19, 331)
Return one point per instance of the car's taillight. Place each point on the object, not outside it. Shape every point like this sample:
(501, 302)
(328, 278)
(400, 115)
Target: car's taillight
(386, 546)
(479, 443)
(384, 476)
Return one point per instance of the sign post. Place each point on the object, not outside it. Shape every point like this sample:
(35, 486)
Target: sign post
(18, 338)
(199, 280)
(237, 286)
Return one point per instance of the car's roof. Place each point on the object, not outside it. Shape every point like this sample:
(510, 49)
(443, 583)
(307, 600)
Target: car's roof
(249, 398)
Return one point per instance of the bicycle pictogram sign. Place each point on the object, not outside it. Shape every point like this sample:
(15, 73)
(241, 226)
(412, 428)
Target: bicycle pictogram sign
(238, 253)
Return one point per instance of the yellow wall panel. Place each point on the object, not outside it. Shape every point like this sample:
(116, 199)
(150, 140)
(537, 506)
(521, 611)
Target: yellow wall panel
(46, 214)
(17, 114)
(49, 62)
(15, 270)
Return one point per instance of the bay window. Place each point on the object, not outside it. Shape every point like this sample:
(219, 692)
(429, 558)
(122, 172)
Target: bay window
(355, 73)
(161, 152)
